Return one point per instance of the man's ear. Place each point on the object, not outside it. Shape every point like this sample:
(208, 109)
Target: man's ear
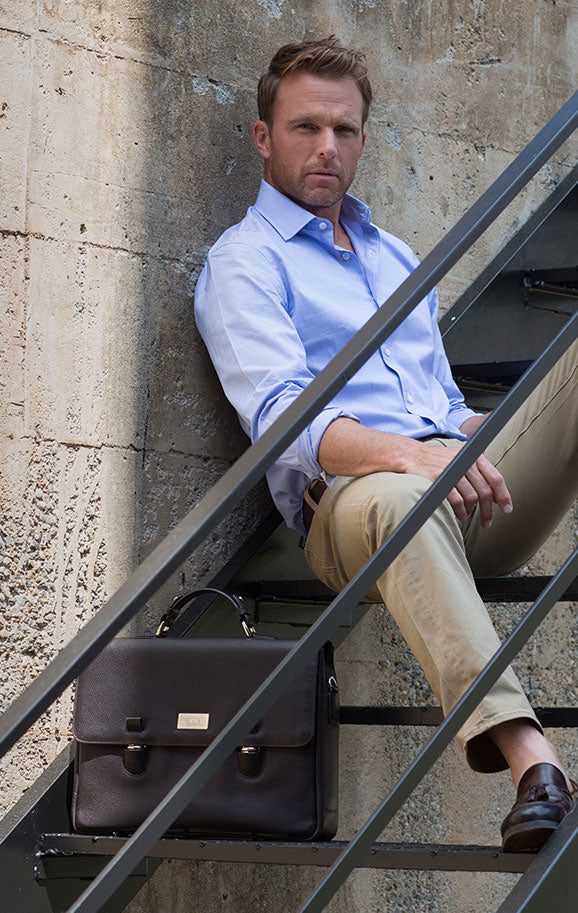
(362, 143)
(262, 139)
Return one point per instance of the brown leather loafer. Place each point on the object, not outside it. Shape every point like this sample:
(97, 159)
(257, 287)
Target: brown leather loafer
(543, 800)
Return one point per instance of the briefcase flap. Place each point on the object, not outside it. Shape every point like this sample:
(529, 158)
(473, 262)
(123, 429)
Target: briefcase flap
(182, 691)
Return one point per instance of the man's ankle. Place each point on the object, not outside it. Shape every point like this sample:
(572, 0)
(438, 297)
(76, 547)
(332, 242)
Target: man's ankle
(523, 745)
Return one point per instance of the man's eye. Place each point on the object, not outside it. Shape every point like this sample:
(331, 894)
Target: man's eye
(305, 126)
(345, 129)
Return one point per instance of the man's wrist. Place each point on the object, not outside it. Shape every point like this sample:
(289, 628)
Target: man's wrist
(471, 425)
(403, 453)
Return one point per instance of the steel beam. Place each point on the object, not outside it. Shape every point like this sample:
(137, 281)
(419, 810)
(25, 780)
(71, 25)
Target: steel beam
(43, 807)
(450, 320)
(550, 717)
(425, 857)
(491, 589)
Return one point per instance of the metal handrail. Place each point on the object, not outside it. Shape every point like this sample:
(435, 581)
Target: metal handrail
(502, 261)
(240, 478)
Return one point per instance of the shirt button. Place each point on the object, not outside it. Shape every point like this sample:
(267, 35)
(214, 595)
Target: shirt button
(370, 253)
(346, 256)
(387, 351)
(409, 398)
(323, 226)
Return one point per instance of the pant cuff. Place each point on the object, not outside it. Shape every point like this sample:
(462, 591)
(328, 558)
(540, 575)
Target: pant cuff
(482, 753)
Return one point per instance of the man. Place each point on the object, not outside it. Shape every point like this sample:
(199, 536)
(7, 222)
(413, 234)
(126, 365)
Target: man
(279, 296)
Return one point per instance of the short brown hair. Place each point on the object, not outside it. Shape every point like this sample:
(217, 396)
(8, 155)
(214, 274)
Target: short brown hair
(323, 57)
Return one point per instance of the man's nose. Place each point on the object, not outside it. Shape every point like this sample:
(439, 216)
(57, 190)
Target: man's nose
(326, 145)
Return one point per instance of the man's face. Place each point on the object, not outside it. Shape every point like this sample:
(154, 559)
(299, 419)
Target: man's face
(316, 139)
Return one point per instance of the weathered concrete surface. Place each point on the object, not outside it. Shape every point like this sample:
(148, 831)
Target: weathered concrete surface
(125, 149)
(14, 128)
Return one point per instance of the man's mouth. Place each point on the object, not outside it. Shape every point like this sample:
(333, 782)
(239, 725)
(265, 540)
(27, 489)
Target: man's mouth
(323, 174)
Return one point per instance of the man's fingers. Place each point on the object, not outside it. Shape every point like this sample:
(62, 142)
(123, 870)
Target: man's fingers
(483, 485)
(485, 496)
(469, 494)
(495, 479)
(490, 488)
(458, 504)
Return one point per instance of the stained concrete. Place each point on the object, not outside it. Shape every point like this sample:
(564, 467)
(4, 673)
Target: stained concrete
(125, 144)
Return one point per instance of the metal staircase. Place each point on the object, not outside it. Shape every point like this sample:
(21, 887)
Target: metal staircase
(45, 867)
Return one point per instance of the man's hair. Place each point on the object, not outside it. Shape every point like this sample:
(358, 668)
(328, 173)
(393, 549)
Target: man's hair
(324, 57)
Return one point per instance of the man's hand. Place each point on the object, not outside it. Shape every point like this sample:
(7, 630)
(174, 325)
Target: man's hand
(482, 484)
(349, 448)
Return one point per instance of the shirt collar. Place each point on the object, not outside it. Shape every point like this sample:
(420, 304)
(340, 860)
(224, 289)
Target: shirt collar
(288, 218)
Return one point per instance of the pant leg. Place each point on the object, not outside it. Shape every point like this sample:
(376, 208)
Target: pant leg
(429, 588)
(537, 453)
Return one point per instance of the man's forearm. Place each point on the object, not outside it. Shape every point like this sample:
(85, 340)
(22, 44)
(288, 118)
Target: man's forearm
(350, 449)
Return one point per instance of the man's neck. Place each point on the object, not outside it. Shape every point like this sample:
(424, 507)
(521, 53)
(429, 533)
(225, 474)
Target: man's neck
(328, 213)
(341, 237)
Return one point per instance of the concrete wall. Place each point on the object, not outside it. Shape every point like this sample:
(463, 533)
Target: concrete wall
(125, 144)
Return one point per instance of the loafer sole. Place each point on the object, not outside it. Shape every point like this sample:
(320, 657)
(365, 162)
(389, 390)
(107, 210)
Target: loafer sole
(528, 837)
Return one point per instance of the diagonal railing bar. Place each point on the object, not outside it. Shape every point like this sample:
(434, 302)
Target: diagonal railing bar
(501, 262)
(225, 743)
(182, 541)
(429, 754)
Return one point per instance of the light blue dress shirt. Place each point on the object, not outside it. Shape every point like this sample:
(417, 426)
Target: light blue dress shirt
(276, 300)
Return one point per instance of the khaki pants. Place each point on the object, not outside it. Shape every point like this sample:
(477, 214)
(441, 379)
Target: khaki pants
(429, 588)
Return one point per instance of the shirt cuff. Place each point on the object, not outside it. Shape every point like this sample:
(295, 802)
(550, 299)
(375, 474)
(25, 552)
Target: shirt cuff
(313, 434)
(459, 415)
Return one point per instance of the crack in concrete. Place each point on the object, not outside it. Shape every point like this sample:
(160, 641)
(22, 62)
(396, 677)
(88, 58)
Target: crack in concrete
(129, 448)
(485, 62)
(4, 28)
(456, 137)
(441, 134)
(13, 233)
(199, 258)
(103, 54)
(124, 186)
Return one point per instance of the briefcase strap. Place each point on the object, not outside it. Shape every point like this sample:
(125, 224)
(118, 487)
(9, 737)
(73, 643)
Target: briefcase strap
(172, 613)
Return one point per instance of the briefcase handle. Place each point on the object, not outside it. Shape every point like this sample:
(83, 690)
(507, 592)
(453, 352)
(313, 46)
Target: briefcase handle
(171, 614)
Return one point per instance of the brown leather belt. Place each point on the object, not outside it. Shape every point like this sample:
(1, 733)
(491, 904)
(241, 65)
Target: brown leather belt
(314, 493)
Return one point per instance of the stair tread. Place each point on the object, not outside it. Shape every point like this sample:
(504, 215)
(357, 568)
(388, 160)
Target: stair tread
(429, 715)
(491, 589)
(422, 856)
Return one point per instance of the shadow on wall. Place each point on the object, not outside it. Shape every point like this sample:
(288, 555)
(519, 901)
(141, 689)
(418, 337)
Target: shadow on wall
(200, 173)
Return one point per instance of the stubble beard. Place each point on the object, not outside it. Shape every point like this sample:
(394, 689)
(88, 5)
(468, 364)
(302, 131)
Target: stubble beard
(298, 191)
